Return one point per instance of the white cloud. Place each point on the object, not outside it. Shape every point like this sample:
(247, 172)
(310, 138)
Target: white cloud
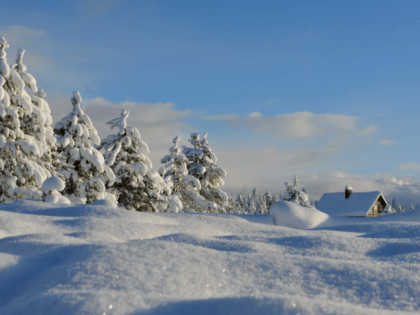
(222, 117)
(18, 34)
(387, 142)
(393, 181)
(249, 168)
(409, 166)
(297, 125)
(255, 115)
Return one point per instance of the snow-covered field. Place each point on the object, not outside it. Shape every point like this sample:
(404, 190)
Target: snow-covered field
(94, 259)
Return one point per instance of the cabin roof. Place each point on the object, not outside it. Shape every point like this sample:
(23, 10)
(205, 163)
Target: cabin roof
(358, 204)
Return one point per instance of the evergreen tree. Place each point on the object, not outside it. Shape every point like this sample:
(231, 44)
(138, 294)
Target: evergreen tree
(268, 199)
(394, 203)
(260, 204)
(186, 186)
(44, 131)
(25, 139)
(137, 187)
(251, 209)
(202, 166)
(83, 166)
(233, 205)
(294, 194)
(240, 201)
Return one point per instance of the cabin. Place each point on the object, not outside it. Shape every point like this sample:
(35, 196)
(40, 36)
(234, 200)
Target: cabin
(352, 204)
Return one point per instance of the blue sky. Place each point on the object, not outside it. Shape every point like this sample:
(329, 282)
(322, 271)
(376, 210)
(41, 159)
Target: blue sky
(327, 90)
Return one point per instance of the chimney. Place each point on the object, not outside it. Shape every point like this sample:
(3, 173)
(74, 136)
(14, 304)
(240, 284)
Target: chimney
(347, 192)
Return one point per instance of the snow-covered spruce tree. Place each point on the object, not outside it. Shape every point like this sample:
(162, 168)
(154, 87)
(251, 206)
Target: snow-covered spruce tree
(83, 166)
(240, 200)
(294, 194)
(251, 208)
(260, 204)
(25, 133)
(202, 166)
(232, 205)
(185, 186)
(394, 203)
(137, 187)
(269, 200)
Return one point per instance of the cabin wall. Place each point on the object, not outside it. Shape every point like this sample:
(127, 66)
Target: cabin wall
(377, 208)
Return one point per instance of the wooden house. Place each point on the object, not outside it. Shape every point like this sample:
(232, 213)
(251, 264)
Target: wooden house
(352, 204)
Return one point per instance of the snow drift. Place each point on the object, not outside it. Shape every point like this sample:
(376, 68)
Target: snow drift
(291, 214)
(93, 259)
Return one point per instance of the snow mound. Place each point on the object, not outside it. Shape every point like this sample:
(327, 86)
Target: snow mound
(58, 199)
(105, 202)
(292, 215)
(53, 183)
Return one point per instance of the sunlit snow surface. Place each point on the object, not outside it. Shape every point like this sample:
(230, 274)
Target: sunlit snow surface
(93, 259)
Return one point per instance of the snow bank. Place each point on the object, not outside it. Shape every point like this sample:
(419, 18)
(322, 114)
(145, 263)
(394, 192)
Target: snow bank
(93, 259)
(292, 215)
(409, 216)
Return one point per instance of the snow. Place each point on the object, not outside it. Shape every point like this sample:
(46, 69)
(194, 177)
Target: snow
(53, 183)
(4, 66)
(95, 259)
(57, 199)
(358, 204)
(120, 122)
(291, 214)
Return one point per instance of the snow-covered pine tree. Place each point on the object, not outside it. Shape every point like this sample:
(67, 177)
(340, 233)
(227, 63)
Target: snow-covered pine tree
(240, 199)
(202, 165)
(238, 203)
(294, 194)
(83, 166)
(186, 186)
(251, 208)
(263, 206)
(246, 203)
(233, 205)
(268, 199)
(400, 209)
(44, 131)
(25, 133)
(394, 203)
(260, 205)
(137, 187)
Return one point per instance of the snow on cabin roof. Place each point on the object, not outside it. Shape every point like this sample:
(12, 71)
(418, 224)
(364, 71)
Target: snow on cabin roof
(358, 204)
